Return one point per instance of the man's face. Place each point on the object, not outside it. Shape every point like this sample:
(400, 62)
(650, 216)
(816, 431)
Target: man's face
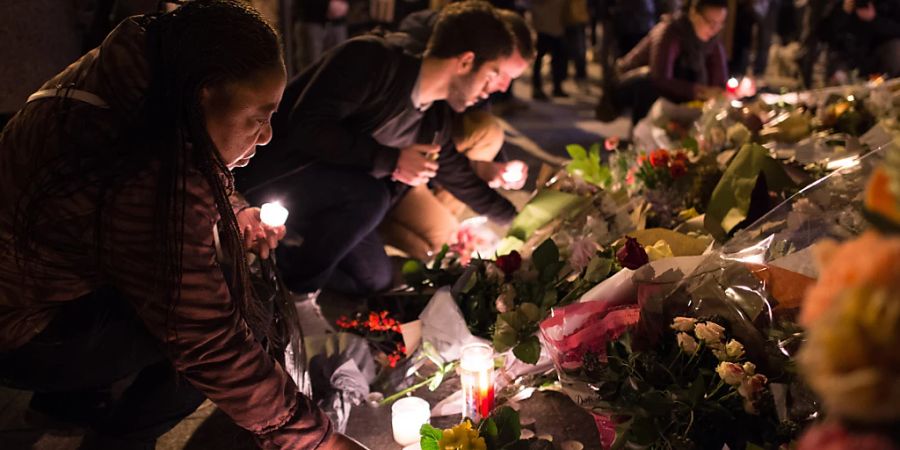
(510, 69)
(468, 85)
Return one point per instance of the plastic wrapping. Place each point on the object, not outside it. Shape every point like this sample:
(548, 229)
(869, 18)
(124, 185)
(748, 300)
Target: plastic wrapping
(831, 207)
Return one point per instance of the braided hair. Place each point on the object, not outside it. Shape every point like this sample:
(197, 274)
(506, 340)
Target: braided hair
(204, 43)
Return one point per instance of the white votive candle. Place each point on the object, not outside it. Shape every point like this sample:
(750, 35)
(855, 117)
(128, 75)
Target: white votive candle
(273, 214)
(407, 417)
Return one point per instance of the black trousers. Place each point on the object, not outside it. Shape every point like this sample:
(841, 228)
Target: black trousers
(335, 210)
(97, 365)
(556, 47)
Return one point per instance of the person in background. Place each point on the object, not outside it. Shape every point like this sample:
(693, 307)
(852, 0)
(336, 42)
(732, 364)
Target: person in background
(755, 23)
(681, 60)
(576, 19)
(319, 26)
(424, 220)
(863, 35)
(360, 127)
(115, 192)
(548, 20)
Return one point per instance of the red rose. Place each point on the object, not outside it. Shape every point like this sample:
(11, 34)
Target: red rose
(632, 255)
(659, 158)
(677, 169)
(509, 263)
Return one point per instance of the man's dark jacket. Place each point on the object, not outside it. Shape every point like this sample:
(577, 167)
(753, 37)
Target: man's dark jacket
(332, 112)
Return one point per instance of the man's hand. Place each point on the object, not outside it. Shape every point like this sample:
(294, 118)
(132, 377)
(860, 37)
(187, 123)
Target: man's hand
(866, 13)
(509, 175)
(258, 236)
(416, 165)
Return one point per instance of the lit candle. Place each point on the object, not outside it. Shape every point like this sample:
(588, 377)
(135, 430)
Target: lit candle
(476, 367)
(273, 214)
(732, 85)
(407, 417)
(514, 172)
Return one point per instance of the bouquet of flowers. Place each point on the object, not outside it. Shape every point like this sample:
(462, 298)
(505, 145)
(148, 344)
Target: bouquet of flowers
(694, 388)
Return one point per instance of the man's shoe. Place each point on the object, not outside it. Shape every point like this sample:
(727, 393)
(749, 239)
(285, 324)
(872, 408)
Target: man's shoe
(539, 95)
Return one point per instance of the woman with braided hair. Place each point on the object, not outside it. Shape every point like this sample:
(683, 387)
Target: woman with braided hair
(115, 192)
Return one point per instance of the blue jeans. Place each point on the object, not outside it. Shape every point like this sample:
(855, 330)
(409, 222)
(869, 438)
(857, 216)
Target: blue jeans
(334, 211)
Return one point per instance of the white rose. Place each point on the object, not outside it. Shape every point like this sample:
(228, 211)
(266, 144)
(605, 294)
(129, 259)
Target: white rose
(734, 350)
(687, 343)
(683, 324)
(711, 333)
(730, 373)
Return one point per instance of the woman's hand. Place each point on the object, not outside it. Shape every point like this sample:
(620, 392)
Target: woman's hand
(258, 237)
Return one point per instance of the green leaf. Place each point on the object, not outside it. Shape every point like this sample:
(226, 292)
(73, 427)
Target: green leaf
(530, 312)
(508, 426)
(436, 381)
(431, 437)
(505, 336)
(576, 152)
(598, 269)
(730, 201)
(691, 145)
(439, 258)
(545, 254)
(488, 430)
(550, 299)
(529, 350)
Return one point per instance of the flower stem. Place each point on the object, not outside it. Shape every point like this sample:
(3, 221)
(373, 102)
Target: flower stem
(397, 396)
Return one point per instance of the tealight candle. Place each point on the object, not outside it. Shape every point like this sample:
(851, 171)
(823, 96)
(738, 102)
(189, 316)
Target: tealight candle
(273, 214)
(407, 417)
(476, 367)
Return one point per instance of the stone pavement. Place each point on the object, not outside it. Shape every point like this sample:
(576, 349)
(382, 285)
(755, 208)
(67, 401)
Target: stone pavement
(536, 135)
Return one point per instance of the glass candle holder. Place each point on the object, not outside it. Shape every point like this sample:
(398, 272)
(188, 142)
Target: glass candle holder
(407, 417)
(476, 370)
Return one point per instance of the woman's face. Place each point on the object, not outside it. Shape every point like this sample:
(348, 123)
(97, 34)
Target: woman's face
(238, 114)
(708, 21)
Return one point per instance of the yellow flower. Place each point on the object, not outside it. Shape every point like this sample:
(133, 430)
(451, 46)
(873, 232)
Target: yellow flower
(461, 437)
(659, 250)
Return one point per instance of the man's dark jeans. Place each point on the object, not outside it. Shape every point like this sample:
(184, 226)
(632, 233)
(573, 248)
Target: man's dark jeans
(335, 211)
(96, 364)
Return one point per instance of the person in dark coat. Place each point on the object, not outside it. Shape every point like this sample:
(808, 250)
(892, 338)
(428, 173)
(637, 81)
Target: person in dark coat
(360, 127)
(115, 193)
